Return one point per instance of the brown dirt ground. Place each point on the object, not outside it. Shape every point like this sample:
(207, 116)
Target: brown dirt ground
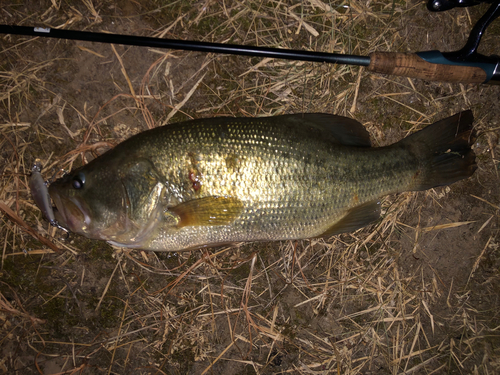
(409, 294)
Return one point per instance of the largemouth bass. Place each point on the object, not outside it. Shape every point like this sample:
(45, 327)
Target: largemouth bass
(223, 180)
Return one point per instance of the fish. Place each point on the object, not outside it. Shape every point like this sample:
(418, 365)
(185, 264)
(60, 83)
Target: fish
(222, 180)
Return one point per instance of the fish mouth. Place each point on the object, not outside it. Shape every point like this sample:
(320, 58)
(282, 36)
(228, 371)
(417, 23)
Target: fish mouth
(71, 214)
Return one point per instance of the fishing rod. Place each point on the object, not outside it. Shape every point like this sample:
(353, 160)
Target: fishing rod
(465, 65)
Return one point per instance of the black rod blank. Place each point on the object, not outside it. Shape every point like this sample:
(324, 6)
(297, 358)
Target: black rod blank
(332, 58)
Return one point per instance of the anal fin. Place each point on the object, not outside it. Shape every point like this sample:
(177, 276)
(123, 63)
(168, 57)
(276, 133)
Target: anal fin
(356, 218)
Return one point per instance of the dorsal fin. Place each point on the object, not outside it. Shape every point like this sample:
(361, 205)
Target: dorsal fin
(345, 130)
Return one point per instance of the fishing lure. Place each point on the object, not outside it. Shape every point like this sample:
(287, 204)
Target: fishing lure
(40, 193)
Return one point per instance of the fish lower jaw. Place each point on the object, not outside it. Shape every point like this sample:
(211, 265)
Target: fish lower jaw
(70, 215)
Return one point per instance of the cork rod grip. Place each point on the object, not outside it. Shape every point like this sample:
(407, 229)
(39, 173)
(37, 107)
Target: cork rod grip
(413, 66)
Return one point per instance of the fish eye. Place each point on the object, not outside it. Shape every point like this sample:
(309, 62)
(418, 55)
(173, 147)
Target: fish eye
(78, 181)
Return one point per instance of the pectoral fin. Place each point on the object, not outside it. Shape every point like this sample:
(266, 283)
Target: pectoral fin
(356, 218)
(208, 211)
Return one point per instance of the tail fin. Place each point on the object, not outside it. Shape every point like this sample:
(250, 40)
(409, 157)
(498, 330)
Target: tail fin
(444, 148)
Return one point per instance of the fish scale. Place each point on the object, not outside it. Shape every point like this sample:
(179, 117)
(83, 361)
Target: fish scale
(222, 180)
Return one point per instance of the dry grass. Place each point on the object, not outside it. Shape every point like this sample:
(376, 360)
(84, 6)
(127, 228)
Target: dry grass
(415, 293)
